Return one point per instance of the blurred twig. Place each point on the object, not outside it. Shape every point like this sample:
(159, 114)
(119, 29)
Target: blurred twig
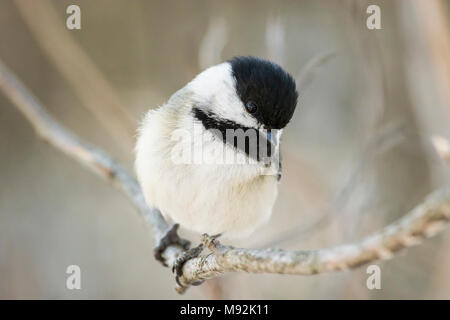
(442, 147)
(275, 38)
(92, 157)
(213, 42)
(433, 18)
(78, 69)
(306, 74)
(369, 62)
(386, 138)
(424, 221)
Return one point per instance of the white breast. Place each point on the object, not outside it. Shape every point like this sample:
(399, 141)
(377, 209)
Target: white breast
(233, 199)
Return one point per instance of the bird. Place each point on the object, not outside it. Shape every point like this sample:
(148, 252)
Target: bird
(209, 159)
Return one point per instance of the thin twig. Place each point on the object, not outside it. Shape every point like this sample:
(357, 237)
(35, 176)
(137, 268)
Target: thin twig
(442, 147)
(424, 221)
(385, 139)
(92, 157)
(94, 91)
(306, 74)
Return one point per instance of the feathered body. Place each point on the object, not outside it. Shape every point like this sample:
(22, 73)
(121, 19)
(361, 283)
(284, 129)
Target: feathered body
(204, 196)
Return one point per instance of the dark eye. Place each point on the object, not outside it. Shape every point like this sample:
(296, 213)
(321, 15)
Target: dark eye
(251, 107)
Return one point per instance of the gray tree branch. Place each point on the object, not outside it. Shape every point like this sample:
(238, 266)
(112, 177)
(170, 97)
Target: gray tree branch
(424, 221)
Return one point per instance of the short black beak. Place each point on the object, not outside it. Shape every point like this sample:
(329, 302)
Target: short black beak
(271, 137)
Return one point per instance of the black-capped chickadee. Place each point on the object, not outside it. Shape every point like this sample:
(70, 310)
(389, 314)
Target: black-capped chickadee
(209, 158)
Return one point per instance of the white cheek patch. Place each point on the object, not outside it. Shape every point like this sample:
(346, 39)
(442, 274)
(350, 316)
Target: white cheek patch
(215, 89)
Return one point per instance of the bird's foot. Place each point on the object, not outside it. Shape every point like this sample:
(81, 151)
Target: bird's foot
(211, 241)
(170, 238)
(180, 261)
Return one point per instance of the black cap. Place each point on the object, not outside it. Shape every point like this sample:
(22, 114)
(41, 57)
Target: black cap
(269, 87)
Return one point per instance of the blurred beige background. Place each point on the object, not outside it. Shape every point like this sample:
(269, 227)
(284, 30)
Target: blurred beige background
(357, 154)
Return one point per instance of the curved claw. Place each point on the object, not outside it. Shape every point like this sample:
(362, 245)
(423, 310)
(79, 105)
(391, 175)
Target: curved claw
(177, 267)
(210, 241)
(170, 238)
